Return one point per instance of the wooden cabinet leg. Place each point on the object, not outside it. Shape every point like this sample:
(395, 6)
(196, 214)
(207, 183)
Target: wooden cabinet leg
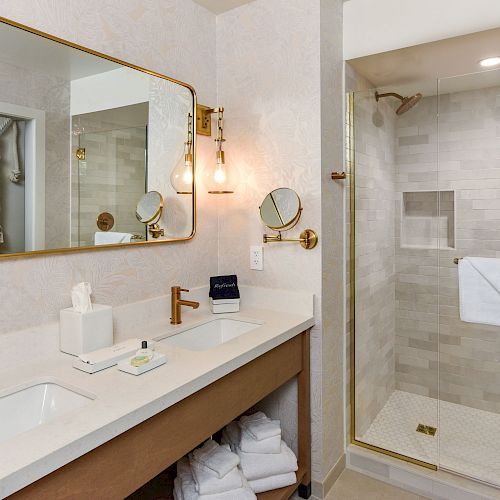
(304, 417)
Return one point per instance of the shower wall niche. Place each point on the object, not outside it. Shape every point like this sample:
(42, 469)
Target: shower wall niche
(428, 219)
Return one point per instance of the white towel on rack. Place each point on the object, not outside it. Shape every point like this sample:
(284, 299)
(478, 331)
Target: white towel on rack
(273, 482)
(479, 290)
(111, 237)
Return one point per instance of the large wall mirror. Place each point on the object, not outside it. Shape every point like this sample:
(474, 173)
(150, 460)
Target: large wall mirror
(83, 139)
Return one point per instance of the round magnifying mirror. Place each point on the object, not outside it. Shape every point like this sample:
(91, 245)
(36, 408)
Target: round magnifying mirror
(281, 209)
(149, 207)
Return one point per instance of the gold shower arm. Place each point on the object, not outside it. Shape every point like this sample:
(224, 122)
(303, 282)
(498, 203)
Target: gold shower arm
(388, 94)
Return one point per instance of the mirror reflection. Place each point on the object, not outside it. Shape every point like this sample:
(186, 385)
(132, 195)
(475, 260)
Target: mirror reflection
(281, 209)
(149, 207)
(83, 139)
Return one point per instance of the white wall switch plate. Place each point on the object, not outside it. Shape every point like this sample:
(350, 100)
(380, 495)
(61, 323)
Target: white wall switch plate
(257, 258)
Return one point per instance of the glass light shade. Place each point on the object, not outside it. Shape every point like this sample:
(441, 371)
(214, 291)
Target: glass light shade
(181, 177)
(219, 178)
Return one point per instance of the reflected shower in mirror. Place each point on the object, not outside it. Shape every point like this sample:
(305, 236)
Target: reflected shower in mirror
(82, 139)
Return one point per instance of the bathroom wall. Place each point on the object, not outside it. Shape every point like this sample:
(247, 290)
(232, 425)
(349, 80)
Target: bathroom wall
(469, 164)
(50, 94)
(174, 37)
(279, 78)
(374, 133)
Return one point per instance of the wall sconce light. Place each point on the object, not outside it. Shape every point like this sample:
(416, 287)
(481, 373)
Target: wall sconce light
(182, 177)
(218, 178)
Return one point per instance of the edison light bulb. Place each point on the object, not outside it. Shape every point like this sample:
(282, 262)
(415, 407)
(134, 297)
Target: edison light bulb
(220, 175)
(219, 179)
(182, 175)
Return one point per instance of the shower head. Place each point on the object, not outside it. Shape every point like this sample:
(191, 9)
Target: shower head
(406, 102)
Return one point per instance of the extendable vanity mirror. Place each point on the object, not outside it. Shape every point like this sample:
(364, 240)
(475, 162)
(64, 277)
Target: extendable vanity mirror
(83, 138)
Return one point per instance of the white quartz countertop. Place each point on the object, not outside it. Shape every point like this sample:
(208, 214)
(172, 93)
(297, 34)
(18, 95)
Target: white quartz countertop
(123, 400)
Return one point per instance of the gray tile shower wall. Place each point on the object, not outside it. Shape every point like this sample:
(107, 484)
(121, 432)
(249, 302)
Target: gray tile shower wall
(469, 166)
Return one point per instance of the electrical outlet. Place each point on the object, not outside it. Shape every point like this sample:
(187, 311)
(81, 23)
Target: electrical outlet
(257, 258)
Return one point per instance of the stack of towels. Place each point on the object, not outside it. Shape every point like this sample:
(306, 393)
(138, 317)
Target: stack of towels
(265, 460)
(211, 473)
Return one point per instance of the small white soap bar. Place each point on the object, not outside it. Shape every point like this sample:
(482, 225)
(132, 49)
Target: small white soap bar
(85, 332)
(158, 360)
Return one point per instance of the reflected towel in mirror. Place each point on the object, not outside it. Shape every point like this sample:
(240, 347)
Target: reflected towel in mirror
(111, 237)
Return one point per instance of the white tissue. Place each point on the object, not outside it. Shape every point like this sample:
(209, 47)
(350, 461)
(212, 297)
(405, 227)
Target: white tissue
(80, 297)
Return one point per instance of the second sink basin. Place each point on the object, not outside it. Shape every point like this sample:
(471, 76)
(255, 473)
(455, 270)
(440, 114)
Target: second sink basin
(26, 407)
(210, 334)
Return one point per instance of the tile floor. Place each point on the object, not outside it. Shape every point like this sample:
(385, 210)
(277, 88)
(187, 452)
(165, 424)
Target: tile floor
(467, 440)
(354, 486)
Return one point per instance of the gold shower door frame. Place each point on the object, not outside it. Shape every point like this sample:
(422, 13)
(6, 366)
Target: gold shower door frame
(351, 168)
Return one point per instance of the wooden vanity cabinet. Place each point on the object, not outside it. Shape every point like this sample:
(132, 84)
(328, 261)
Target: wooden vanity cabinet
(120, 466)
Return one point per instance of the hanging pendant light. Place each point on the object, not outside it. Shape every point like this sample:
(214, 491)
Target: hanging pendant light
(219, 179)
(182, 176)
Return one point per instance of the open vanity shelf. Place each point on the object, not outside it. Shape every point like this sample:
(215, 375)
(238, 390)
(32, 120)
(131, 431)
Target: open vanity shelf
(120, 466)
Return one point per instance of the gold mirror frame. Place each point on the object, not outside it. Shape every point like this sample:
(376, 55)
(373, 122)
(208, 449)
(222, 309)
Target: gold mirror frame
(72, 45)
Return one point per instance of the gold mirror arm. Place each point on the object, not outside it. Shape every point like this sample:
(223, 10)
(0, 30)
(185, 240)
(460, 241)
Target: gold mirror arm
(308, 239)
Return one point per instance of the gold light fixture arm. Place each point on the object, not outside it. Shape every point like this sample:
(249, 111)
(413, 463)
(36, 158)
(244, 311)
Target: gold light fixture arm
(308, 239)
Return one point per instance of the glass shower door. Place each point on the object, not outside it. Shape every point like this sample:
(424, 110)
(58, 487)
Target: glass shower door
(469, 343)
(394, 247)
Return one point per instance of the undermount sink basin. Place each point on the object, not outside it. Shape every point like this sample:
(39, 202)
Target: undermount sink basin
(210, 334)
(22, 409)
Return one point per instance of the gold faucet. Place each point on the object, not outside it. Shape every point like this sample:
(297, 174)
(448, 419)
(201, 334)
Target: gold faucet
(177, 302)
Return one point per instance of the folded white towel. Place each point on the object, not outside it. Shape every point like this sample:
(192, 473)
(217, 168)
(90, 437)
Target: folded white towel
(178, 489)
(207, 482)
(260, 427)
(250, 445)
(479, 290)
(231, 435)
(188, 486)
(273, 482)
(111, 237)
(216, 458)
(258, 415)
(236, 438)
(262, 465)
